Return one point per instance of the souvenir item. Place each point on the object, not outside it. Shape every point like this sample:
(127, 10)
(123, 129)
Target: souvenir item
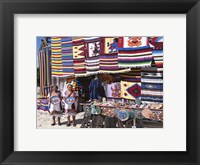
(95, 110)
(55, 100)
(123, 115)
(69, 100)
(87, 110)
(147, 113)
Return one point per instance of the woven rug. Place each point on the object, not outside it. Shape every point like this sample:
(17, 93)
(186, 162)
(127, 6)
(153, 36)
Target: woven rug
(156, 43)
(56, 57)
(133, 76)
(79, 57)
(109, 45)
(130, 90)
(67, 56)
(151, 87)
(92, 52)
(62, 56)
(133, 53)
(109, 56)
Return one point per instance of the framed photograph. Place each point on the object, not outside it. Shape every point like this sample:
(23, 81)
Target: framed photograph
(103, 82)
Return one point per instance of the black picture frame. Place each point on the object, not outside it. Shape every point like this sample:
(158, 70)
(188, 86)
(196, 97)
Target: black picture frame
(10, 7)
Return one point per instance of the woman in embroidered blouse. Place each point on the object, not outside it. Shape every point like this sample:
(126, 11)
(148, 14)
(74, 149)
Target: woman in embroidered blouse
(54, 98)
(70, 96)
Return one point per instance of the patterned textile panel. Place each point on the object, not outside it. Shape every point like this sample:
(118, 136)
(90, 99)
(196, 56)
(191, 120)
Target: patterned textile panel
(151, 87)
(156, 43)
(130, 90)
(67, 56)
(109, 45)
(92, 52)
(113, 90)
(134, 52)
(109, 56)
(79, 57)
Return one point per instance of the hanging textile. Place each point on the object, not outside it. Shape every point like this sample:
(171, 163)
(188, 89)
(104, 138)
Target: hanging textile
(156, 43)
(134, 52)
(133, 76)
(62, 56)
(151, 87)
(79, 57)
(92, 52)
(41, 66)
(130, 90)
(67, 56)
(109, 56)
(47, 54)
(113, 90)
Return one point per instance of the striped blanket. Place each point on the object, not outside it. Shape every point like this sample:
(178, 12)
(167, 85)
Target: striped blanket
(133, 76)
(67, 56)
(79, 57)
(62, 56)
(151, 87)
(133, 53)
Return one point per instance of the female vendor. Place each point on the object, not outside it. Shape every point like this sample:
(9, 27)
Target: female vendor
(54, 98)
(70, 97)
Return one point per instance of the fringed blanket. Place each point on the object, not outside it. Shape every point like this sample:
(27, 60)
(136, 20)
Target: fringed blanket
(92, 52)
(56, 57)
(134, 52)
(133, 76)
(79, 57)
(109, 56)
(152, 87)
(67, 56)
(62, 56)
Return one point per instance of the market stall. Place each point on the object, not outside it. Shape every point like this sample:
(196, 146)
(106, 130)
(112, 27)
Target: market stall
(119, 80)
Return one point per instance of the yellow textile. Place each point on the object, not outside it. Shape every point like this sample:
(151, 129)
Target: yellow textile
(124, 89)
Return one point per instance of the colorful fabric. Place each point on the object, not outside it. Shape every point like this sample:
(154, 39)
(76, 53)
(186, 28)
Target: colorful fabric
(95, 89)
(130, 90)
(134, 52)
(113, 90)
(133, 76)
(132, 42)
(79, 57)
(92, 52)
(67, 56)
(109, 56)
(109, 64)
(109, 45)
(151, 87)
(43, 104)
(92, 65)
(62, 56)
(92, 46)
(156, 43)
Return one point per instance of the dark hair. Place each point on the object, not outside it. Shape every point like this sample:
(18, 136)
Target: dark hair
(55, 86)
